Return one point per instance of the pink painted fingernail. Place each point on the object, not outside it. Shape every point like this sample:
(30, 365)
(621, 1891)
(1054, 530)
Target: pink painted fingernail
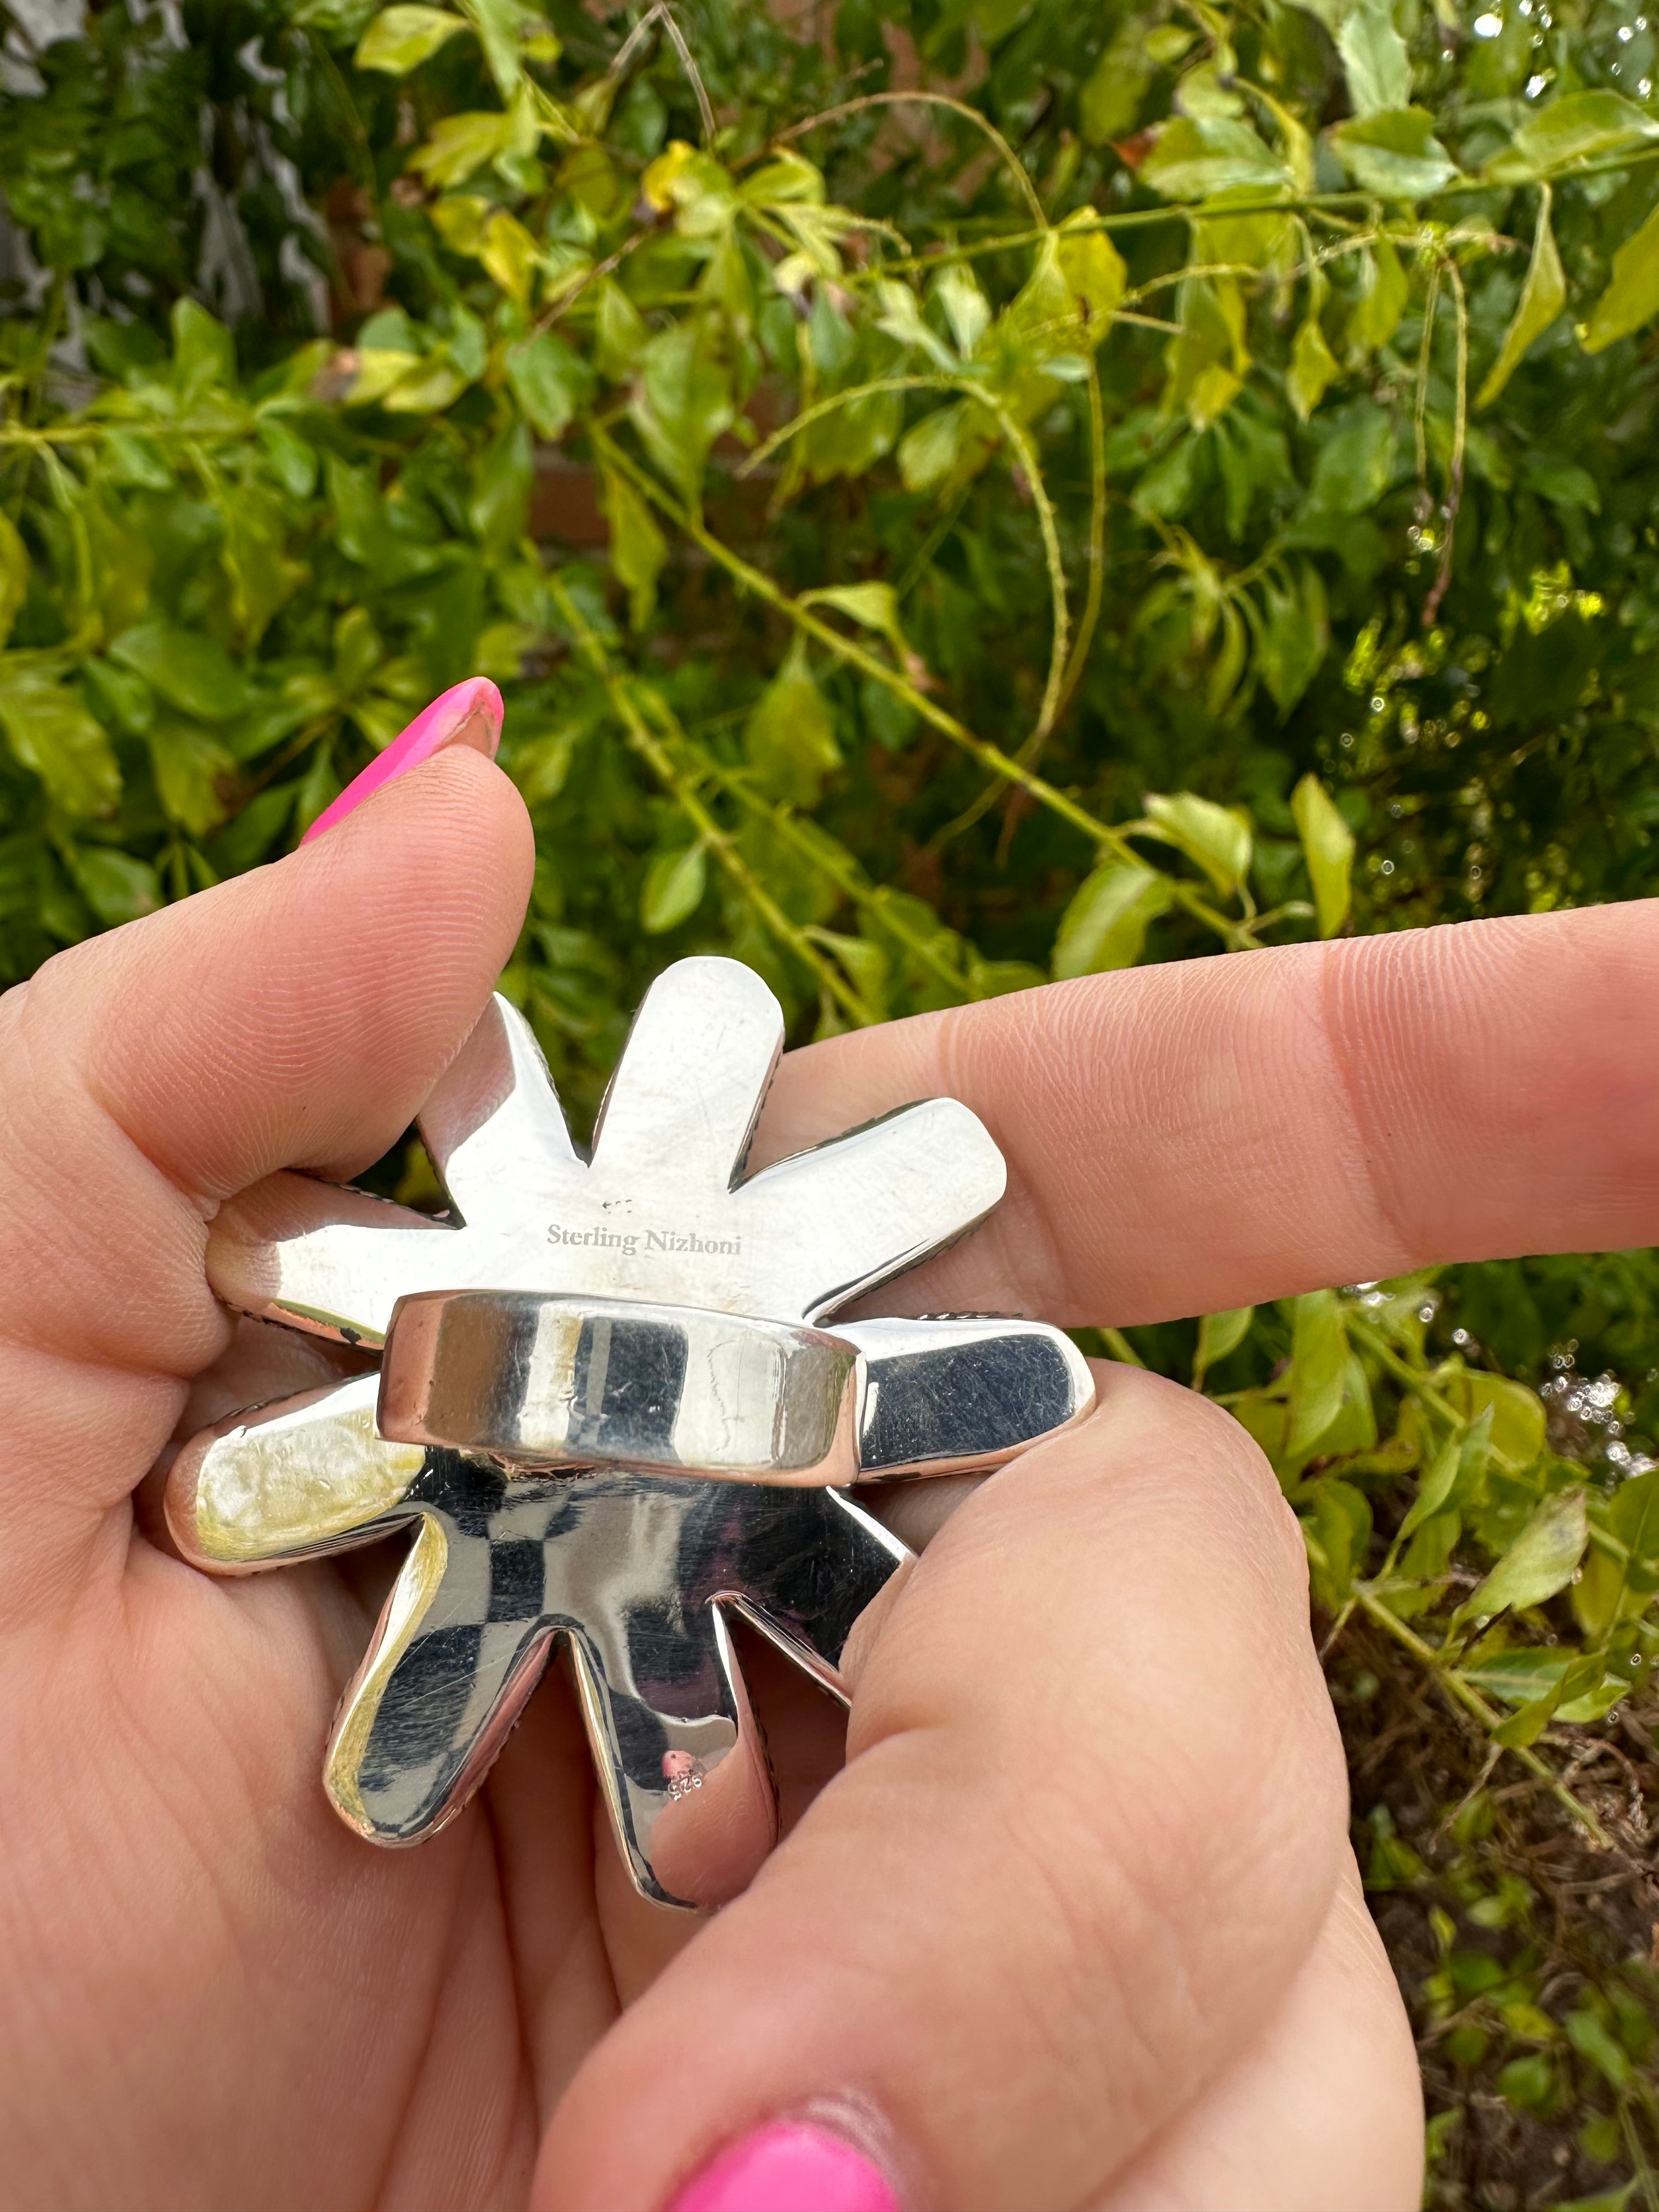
(468, 713)
(789, 2166)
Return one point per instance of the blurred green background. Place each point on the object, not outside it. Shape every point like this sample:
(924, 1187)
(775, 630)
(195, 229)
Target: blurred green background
(955, 493)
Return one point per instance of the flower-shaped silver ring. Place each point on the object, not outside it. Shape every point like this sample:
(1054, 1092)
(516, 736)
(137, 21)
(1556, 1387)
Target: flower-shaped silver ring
(610, 1406)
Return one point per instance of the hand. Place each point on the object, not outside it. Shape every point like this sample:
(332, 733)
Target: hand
(1075, 1926)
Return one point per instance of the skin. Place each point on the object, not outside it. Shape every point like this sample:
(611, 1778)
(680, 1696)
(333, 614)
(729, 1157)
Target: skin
(1068, 1920)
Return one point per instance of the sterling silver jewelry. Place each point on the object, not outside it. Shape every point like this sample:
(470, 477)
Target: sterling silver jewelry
(609, 1407)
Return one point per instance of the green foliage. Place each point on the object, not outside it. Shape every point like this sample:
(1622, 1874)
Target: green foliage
(1188, 486)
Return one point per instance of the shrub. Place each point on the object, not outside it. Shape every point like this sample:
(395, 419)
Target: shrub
(957, 492)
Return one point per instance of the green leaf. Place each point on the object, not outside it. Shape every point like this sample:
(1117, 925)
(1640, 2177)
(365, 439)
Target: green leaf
(188, 669)
(14, 574)
(931, 453)
(1193, 159)
(549, 381)
(1458, 1466)
(293, 461)
(1374, 58)
(1633, 298)
(674, 890)
(790, 735)
(459, 145)
(502, 27)
(510, 254)
(401, 38)
(195, 776)
(1382, 292)
(1327, 847)
(1356, 463)
(1105, 925)
(1342, 1524)
(1518, 1417)
(1313, 365)
(1318, 1359)
(204, 352)
(1542, 1559)
(966, 307)
(638, 548)
(118, 886)
(684, 401)
(51, 733)
(1542, 298)
(1109, 101)
(1216, 838)
(1220, 1334)
(499, 509)
(1395, 153)
(873, 606)
(1294, 633)
(1577, 127)
(1592, 2039)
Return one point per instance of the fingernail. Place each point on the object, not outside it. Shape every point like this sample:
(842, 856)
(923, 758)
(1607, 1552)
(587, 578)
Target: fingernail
(468, 713)
(789, 2166)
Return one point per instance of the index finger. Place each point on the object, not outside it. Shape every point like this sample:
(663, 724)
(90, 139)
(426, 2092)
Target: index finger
(1215, 1132)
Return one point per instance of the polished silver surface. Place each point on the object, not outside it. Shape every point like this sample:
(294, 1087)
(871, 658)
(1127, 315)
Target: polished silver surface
(648, 1311)
(548, 1380)
(660, 1213)
(634, 1572)
(552, 1381)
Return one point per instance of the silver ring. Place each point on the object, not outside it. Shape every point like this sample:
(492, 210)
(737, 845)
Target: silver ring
(547, 1380)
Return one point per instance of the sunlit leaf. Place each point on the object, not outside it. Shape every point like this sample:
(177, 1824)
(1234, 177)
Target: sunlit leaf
(1328, 848)
(509, 253)
(1542, 298)
(1313, 367)
(1319, 1358)
(1577, 127)
(791, 736)
(1193, 159)
(1541, 1560)
(1457, 1467)
(1633, 297)
(1220, 1334)
(51, 733)
(1105, 925)
(400, 39)
(1374, 60)
(1395, 153)
(674, 890)
(1216, 838)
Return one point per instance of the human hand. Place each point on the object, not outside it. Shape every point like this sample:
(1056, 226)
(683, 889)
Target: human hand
(1075, 1926)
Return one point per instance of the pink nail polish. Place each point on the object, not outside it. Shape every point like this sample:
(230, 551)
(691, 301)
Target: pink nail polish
(468, 713)
(789, 2166)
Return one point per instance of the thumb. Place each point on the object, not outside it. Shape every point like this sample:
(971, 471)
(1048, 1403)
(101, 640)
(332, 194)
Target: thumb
(296, 1016)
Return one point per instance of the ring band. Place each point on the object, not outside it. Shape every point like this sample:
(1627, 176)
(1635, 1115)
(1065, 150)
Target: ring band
(557, 1380)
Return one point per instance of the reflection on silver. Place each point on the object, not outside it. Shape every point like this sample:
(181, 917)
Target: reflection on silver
(562, 1381)
(632, 1570)
(652, 1310)
(547, 1381)
(659, 1214)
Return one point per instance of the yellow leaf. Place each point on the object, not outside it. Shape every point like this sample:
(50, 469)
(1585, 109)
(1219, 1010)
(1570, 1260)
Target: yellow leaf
(1313, 365)
(1327, 847)
(510, 254)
